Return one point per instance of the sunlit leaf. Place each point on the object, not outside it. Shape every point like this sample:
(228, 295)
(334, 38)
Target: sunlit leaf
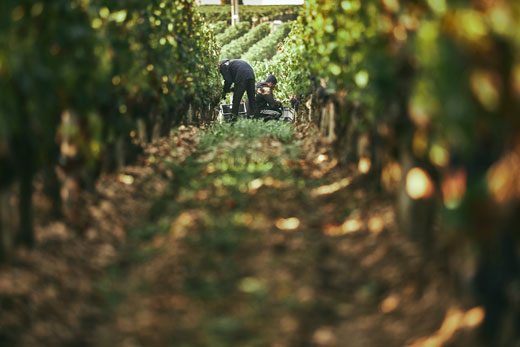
(364, 165)
(502, 178)
(389, 304)
(419, 185)
(391, 5)
(104, 12)
(485, 87)
(361, 79)
(454, 188)
(438, 6)
(96, 23)
(376, 225)
(118, 16)
(331, 188)
(126, 179)
(287, 223)
(251, 285)
(439, 155)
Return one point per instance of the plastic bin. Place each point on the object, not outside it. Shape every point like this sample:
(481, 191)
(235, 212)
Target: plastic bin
(288, 114)
(225, 111)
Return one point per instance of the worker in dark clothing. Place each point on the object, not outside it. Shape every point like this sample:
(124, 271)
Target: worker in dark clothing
(266, 106)
(242, 75)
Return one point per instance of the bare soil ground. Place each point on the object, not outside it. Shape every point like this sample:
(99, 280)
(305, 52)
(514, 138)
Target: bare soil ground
(182, 254)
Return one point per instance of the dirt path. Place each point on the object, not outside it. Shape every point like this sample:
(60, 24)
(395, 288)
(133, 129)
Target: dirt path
(264, 241)
(244, 235)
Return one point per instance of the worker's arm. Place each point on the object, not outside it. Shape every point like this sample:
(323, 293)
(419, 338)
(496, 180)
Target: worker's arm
(271, 101)
(228, 80)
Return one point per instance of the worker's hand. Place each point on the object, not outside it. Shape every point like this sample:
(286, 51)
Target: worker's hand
(294, 102)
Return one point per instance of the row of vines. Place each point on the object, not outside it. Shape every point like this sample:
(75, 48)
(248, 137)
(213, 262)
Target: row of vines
(81, 80)
(249, 13)
(425, 98)
(261, 46)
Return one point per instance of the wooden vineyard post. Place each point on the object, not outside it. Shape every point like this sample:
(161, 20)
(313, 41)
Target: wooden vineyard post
(234, 12)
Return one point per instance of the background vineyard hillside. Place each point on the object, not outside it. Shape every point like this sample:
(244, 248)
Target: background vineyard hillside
(267, 47)
(218, 27)
(233, 33)
(235, 49)
(258, 39)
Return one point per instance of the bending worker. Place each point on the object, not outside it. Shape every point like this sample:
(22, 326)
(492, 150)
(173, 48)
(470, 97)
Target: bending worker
(242, 75)
(266, 106)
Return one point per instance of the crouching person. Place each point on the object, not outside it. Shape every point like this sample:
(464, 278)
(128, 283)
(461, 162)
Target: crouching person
(267, 107)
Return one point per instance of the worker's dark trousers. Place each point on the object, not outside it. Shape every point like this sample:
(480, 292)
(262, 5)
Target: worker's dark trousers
(240, 88)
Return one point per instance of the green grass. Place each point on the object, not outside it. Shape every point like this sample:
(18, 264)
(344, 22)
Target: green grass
(247, 130)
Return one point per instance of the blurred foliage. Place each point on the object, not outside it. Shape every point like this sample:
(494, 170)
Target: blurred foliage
(233, 33)
(162, 52)
(75, 77)
(102, 62)
(267, 47)
(453, 68)
(45, 70)
(434, 87)
(215, 13)
(236, 48)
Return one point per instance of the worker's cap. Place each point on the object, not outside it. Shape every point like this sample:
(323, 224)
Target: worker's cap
(271, 79)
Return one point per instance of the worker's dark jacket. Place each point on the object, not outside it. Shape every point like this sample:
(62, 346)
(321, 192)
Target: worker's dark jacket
(264, 99)
(235, 71)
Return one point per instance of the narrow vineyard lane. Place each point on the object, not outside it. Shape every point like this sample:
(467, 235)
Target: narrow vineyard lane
(262, 239)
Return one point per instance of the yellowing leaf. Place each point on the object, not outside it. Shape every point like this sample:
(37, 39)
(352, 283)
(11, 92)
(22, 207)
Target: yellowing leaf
(331, 188)
(104, 12)
(287, 223)
(439, 155)
(485, 87)
(118, 16)
(364, 165)
(126, 179)
(96, 23)
(389, 304)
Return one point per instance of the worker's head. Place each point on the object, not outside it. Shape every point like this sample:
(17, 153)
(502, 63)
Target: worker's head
(224, 62)
(271, 81)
